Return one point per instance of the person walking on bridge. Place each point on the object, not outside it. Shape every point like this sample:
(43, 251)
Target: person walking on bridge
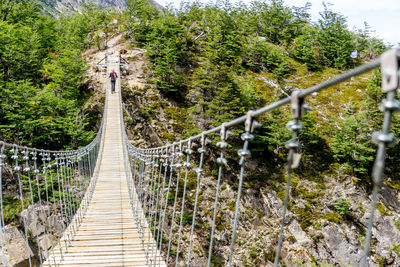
(113, 78)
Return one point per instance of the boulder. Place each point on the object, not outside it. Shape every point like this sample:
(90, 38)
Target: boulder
(35, 217)
(298, 233)
(17, 251)
(340, 249)
(154, 139)
(55, 225)
(46, 242)
(389, 198)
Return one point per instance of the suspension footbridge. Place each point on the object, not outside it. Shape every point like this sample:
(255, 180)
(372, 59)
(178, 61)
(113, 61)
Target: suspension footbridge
(107, 235)
(113, 204)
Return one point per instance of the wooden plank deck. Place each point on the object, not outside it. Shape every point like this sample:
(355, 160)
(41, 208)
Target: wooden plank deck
(108, 234)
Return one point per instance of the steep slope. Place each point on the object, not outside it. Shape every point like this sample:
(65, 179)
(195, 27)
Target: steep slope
(328, 212)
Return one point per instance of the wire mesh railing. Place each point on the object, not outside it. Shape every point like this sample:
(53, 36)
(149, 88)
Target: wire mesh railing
(44, 193)
(177, 187)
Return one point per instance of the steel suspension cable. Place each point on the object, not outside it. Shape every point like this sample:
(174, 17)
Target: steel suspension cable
(186, 164)
(298, 109)
(222, 162)
(170, 165)
(244, 153)
(156, 213)
(27, 170)
(150, 209)
(3, 237)
(199, 172)
(390, 85)
(161, 216)
(17, 168)
(49, 211)
(178, 173)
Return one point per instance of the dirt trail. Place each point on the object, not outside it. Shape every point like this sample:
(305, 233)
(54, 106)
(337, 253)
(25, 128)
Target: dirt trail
(134, 76)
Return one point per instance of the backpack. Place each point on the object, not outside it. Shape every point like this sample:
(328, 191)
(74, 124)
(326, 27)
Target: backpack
(113, 76)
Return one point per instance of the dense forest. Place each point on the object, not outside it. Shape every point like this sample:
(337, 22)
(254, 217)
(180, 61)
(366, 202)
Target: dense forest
(43, 86)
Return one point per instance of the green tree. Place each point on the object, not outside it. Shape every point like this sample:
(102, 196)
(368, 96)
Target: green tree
(352, 143)
(42, 88)
(334, 39)
(280, 24)
(306, 49)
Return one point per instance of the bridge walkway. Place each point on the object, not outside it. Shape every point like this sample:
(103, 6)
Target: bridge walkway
(108, 234)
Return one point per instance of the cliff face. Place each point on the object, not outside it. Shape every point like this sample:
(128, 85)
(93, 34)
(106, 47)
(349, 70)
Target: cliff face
(54, 7)
(57, 6)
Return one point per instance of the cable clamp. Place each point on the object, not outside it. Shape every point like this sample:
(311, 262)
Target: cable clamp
(245, 153)
(250, 124)
(222, 161)
(296, 104)
(247, 136)
(294, 126)
(202, 150)
(387, 138)
(390, 70)
(222, 144)
(393, 105)
(224, 132)
(292, 144)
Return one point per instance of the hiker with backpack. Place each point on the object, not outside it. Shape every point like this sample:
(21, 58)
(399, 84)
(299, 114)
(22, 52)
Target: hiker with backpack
(113, 78)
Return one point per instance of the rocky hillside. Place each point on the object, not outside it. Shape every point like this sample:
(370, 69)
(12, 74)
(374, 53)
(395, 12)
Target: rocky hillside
(327, 215)
(54, 7)
(190, 89)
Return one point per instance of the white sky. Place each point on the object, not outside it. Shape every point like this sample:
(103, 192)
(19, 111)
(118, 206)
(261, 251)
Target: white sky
(383, 16)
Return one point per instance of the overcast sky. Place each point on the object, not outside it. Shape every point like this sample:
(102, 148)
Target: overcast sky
(383, 16)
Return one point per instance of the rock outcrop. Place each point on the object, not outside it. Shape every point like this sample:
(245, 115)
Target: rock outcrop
(17, 252)
(42, 227)
(56, 6)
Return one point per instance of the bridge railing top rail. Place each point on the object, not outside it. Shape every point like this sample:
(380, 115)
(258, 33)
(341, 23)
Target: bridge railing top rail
(5, 145)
